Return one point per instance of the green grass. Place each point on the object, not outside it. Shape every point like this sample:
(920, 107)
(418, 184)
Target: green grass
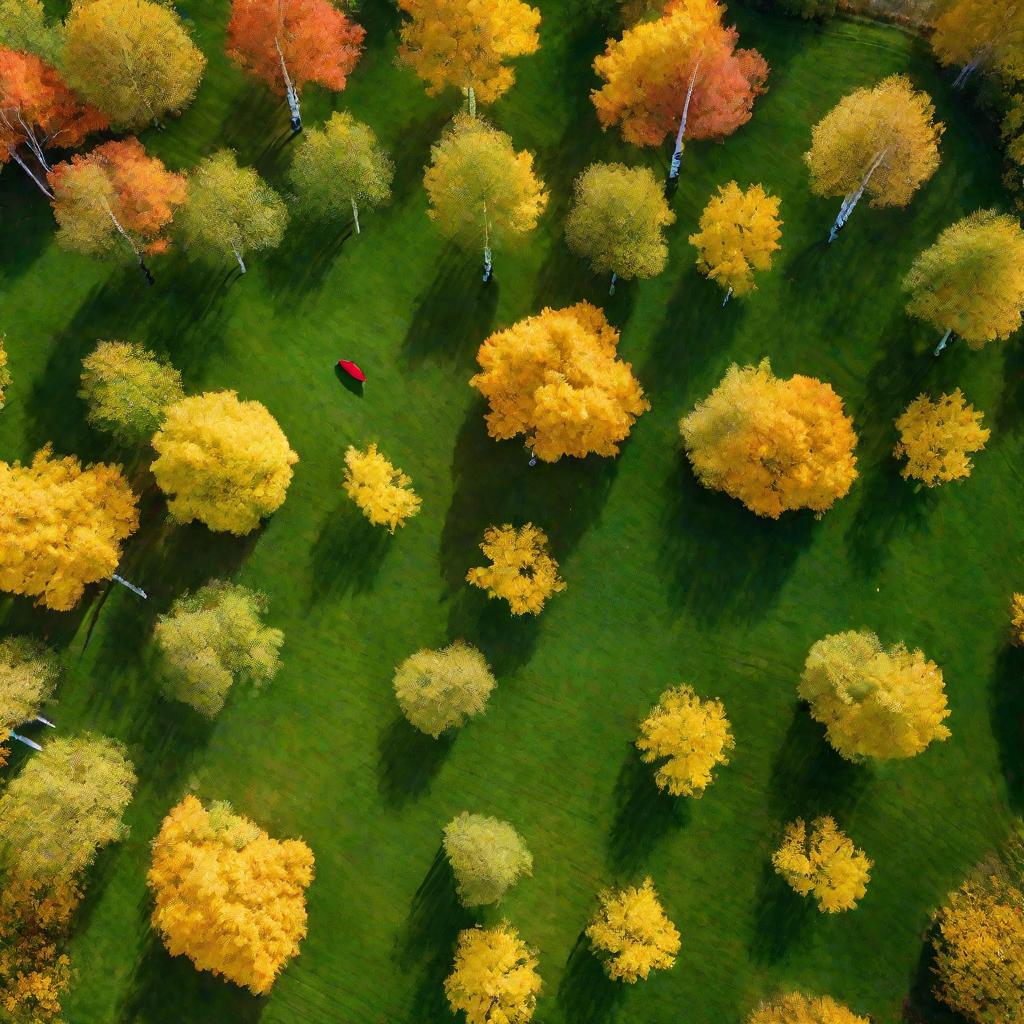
(667, 582)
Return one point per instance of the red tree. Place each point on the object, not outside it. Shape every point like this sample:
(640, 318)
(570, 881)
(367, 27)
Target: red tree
(727, 83)
(287, 43)
(37, 111)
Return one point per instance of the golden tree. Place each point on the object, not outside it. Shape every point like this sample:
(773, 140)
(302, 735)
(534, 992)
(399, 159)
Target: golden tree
(823, 863)
(521, 570)
(938, 437)
(690, 737)
(383, 493)
(5, 372)
(1017, 619)
(980, 34)
(224, 462)
(632, 934)
(494, 979)
(739, 231)
(466, 44)
(481, 191)
(773, 444)
(28, 674)
(618, 220)
(554, 378)
(487, 857)
(882, 142)
(439, 690)
(874, 702)
(971, 281)
(796, 1008)
(227, 895)
(61, 527)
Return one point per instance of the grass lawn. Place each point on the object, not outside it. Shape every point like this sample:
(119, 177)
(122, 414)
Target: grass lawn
(666, 582)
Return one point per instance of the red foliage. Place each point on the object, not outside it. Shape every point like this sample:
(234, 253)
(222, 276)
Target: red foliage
(320, 44)
(727, 84)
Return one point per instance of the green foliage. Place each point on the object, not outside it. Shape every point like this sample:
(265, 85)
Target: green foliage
(28, 674)
(24, 26)
(487, 855)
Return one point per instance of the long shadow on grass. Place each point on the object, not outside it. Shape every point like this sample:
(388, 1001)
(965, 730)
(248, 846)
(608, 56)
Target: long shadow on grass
(1006, 710)
(28, 224)
(1010, 410)
(921, 1006)
(781, 918)
(586, 994)
(408, 761)
(346, 555)
(302, 261)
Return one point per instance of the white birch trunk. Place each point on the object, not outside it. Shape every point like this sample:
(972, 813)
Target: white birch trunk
(851, 201)
(16, 156)
(355, 215)
(943, 342)
(611, 289)
(238, 256)
(728, 296)
(965, 73)
(677, 153)
(289, 89)
(471, 100)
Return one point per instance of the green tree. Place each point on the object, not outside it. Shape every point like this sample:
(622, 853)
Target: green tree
(28, 674)
(25, 27)
(213, 638)
(487, 856)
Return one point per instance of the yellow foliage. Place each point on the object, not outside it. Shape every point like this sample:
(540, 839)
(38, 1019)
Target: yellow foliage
(937, 438)
(773, 444)
(227, 896)
(554, 378)
(487, 857)
(224, 462)
(5, 373)
(28, 674)
(465, 44)
(1017, 619)
(824, 864)
(521, 570)
(874, 702)
(382, 492)
(632, 934)
(693, 735)
(983, 31)
(739, 231)
(795, 1008)
(494, 979)
(888, 132)
(61, 527)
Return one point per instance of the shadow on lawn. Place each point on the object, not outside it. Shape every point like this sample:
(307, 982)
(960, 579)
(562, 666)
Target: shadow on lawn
(921, 1006)
(586, 994)
(408, 760)
(507, 641)
(781, 918)
(301, 263)
(346, 555)
(1006, 710)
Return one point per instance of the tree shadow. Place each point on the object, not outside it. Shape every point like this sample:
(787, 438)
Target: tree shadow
(301, 263)
(347, 554)
(781, 918)
(507, 641)
(408, 760)
(586, 994)
(28, 224)
(644, 815)
(1011, 398)
(921, 1005)
(255, 104)
(1006, 711)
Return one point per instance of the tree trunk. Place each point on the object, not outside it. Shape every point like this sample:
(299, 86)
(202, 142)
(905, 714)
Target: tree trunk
(238, 256)
(355, 216)
(965, 73)
(615, 277)
(943, 342)
(851, 201)
(677, 153)
(728, 296)
(290, 93)
(16, 156)
(129, 241)
(488, 262)
(471, 99)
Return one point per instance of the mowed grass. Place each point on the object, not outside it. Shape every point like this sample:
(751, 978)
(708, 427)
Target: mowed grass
(666, 582)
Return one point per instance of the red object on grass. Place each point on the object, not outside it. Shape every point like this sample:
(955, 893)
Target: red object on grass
(351, 369)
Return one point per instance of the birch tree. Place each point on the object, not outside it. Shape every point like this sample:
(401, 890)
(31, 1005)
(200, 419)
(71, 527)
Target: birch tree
(25, 27)
(981, 35)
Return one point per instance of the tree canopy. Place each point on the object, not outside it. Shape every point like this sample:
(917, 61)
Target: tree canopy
(383, 493)
(487, 857)
(796, 1008)
(937, 438)
(521, 570)
(981, 34)
(25, 27)
(28, 674)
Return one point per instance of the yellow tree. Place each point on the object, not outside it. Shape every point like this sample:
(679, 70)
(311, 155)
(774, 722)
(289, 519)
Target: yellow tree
(224, 462)
(773, 444)
(690, 737)
(465, 44)
(24, 27)
(618, 220)
(1017, 619)
(5, 372)
(487, 857)
(28, 674)
(61, 527)
(883, 142)
(521, 570)
(874, 702)
(823, 863)
(494, 979)
(739, 231)
(227, 895)
(132, 59)
(971, 281)
(554, 378)
(481, 191)
(980, 34)
(632, 934)
(383, 493)
(938, 437)
(796, 1008)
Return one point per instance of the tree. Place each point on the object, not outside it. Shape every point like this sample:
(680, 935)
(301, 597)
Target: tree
(440, 690)
(113, 199)
(774, 444)
(937, 438)
(465, 44)
(37, 111)
(872, 701)
(632, 934)
(5, 373)
(341, 166)
(480, 189)
(487, 857)
(382, 492)
(25, 27)
(1017, 620)
(739, 231)
(680, 73)
(28, 674)
(61, 526)
(127, 389)
(617, 221)
(231, 209)
(67, 803)
(494, 979)
(224, 462)
(824, 863)
(690, 736)
(131, 58)
(796, 1008)
(289, 43)
(554, 378)
(521, 570)
(882, 141)
(979, 34)
(212, 639)
(971, 281)
(227, 895)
